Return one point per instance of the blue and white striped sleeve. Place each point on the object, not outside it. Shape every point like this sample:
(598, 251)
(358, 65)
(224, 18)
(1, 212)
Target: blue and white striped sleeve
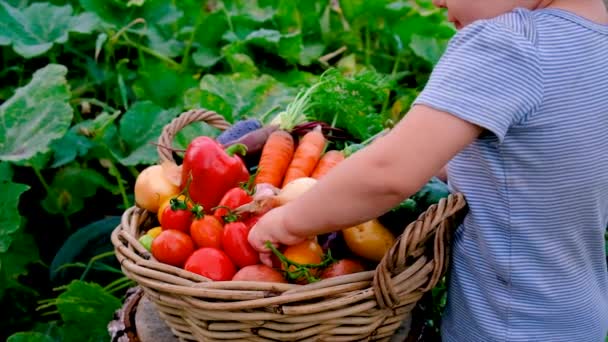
(490, 75)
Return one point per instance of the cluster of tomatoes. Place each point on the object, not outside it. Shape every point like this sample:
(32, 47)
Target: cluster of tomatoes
(215, 245)
(212, 244)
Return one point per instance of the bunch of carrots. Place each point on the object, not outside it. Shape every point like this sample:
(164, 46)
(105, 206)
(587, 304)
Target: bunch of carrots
(282, 160)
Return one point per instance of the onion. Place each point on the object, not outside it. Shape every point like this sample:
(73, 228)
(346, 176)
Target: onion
(153, 187)
(294, 189)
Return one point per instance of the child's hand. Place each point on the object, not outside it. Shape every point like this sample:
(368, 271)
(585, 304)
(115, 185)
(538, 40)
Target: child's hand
(271, 227)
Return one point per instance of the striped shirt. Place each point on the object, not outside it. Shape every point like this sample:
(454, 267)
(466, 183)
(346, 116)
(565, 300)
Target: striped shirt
(528, 261)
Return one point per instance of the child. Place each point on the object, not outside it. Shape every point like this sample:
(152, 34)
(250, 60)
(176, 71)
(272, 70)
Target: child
(518, 106)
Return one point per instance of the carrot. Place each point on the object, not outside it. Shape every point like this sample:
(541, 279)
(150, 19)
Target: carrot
(307, 155)
(327, 162)
(275, 158)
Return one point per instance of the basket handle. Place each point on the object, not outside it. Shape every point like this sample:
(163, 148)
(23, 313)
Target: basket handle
(436, 222)
(170, 130)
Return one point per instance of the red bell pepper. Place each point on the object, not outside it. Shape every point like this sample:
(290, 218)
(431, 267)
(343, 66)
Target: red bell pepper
(209, 171)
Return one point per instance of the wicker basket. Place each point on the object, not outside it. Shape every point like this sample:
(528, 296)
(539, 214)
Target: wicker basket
(366, 306)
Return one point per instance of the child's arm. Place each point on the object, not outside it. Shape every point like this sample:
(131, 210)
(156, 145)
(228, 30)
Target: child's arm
(371, 181)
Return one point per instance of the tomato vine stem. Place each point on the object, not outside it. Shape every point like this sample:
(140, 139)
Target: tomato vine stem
(300, 270)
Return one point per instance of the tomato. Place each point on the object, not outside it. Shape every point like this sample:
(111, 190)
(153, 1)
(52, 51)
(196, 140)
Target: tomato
(261, 273)
(305, 252)
(176, 214)
(211, 263)
(153, 187)
(172, 247)
(233, 199)
(251, 221)
(146, 241)
(207, 231)
(167, 203)
(236, 245)
(370, 240)
(342, 267)
(154, 231)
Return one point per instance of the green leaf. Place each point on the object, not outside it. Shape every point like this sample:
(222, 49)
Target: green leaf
(71, 186)
(10, 221)
(428, 48)
(29, 337)
(162, 84)
(426, 26)
(154, 12)
(188, 133)
(6, 172)
(86, 308)
(295, 78)
(38, 161)
(246, 94)
(264, 37)
(14, 261)
(139, 128)
(33, 30)
(210, 31)
(69, 147)
(311, 52)
(353, 101)
(238, 60)
(288, 17)
(197, 98)
(89, 139)
(206, 57)
(84, 244)
(164, 43)
(101, 39)
(35, 115)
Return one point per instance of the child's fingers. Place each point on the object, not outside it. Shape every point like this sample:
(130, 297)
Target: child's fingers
(266, 258)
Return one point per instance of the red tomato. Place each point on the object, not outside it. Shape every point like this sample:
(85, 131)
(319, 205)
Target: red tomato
(233, 199)
(259, 273)
(236, 245)
(211, 263)
(207, 232)
(172, 247)
(176, 214)
(342, 267)
(251, 221)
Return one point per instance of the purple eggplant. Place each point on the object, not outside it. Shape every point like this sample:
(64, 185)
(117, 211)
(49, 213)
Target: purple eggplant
(255, 140)
(239, 129)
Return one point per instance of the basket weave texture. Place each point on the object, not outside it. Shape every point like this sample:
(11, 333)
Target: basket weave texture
(366, 306)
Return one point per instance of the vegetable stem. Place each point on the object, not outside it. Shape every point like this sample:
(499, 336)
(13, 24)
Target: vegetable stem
(116, 173)
(93, 260)
(189, 42)
(96, 102)
(236, 148)
(367, 47)
(300, 270)
(228, 18)
(393, 73)
(150, 52)
(45, 185)
(116, 284)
